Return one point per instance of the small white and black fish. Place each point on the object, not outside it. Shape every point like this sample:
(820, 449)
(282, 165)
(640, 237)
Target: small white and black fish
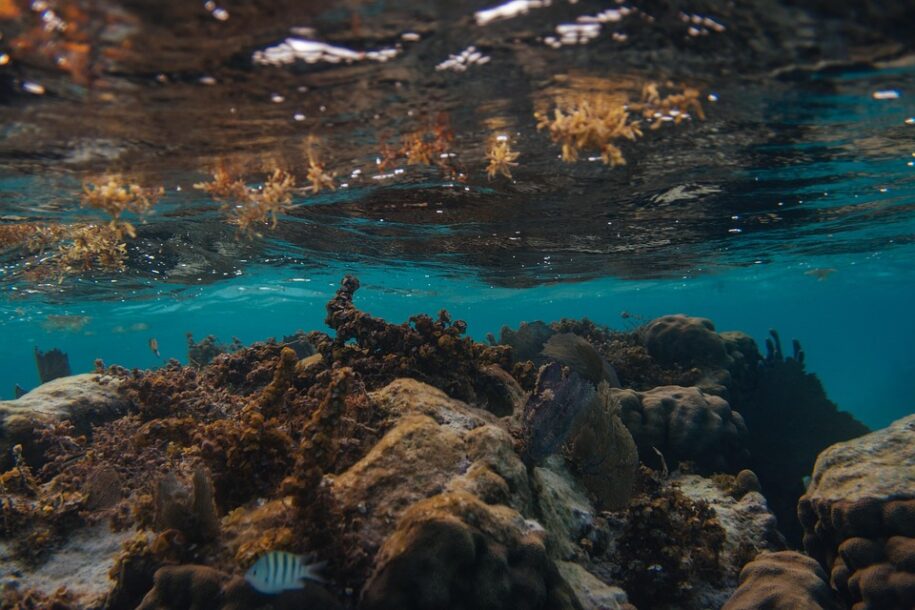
(279, 571)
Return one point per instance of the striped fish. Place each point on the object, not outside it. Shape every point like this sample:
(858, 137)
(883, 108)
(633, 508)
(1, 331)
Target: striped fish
(279, 571)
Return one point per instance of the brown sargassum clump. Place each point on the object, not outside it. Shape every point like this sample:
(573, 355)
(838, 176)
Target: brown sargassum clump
(599, 122)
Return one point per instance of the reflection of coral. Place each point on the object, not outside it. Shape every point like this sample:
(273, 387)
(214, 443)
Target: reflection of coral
(246, 207)
(114, 197)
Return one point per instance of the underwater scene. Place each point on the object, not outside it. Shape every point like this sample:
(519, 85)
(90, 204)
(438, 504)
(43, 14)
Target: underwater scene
(421, 305)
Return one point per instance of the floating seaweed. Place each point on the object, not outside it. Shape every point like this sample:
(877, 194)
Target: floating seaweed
(501, 158)
(591, 122)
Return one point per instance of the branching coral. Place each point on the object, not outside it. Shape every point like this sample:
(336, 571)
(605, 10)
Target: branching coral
(431, 350)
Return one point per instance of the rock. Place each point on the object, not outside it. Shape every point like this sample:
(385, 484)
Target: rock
(81, 565)
(436, 444)
(685, 340)
(749, 527)
(84, 400)
(785, 580)
(564, 508)
(405, 396)
(592, 592)
(198, 587)
(684, 424)
(858, 516)
(454, 551)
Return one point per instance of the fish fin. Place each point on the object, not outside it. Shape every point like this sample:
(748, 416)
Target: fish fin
(311, 572)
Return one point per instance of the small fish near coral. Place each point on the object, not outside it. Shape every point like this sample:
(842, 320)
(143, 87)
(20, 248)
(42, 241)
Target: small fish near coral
(154, 347)
(279, 571)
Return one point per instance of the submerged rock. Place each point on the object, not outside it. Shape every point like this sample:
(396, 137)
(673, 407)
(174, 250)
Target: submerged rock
(84, 400)
(785, 580)
(858, 516)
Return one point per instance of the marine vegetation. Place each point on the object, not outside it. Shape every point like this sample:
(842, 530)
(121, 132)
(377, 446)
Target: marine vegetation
(591, 122)
(668, 542)
(596, 121)
(110, 194)
(501, 158)
(251, 208)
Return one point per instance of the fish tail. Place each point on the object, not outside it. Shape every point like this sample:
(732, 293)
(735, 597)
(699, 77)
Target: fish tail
(310, 571)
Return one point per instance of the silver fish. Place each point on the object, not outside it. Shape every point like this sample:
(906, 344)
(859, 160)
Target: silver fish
(279, 571)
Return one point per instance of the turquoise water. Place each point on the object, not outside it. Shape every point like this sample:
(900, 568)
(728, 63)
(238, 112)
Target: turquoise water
(791, 208)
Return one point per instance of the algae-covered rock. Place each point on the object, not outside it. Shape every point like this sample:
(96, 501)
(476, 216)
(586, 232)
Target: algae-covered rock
(592, 592)
(858, 516)
(454, 551)
(785, 580)
(749, 527)
(81, 565)
(84, 400)
(684, 424)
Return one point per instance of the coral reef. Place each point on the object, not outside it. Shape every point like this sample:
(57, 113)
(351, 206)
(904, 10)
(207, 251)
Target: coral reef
(684, 424)
(453, 550)
(785, 580)
(413, 461)
(684, 340)
(859, 517)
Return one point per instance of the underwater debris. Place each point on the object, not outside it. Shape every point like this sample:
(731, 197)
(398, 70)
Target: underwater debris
(501, 158)
(591, 122)
(52, 364)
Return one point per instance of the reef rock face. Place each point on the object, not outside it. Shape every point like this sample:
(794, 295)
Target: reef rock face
(84, 400)
(859, 517)
(685, 340)
(684, 424)
(785, 580)
(748, 526)
(440, 501)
